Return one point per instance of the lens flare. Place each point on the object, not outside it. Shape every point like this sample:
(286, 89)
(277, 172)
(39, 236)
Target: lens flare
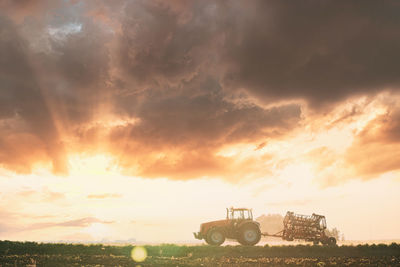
(139, 254)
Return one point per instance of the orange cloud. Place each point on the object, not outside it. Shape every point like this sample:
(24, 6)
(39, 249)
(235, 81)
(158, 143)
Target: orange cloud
(84, 222)
(376, 149)
(103, 196)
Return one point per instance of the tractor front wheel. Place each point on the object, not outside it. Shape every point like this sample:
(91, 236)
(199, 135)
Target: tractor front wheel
(249, 235)
(215, 237)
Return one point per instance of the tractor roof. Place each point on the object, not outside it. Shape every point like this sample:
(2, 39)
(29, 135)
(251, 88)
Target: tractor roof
(239, 208)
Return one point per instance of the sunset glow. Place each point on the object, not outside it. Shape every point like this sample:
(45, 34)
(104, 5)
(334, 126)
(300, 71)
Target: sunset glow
(135, 121)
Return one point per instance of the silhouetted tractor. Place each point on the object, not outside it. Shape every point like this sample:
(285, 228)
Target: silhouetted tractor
(238, 225)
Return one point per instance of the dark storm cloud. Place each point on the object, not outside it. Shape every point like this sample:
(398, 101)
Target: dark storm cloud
(76, 71)
(322, 51)
(18, 10)
(195, 76)
(169, 56)
(21, 99)
(53, 78)
(318, 51)
(200, 117)
(179, 132)
(167, 42)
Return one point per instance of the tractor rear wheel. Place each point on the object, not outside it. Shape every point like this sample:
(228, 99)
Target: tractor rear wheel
(215, 237)
(249, 235)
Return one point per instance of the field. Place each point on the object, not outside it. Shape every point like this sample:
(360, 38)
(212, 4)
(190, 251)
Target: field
(37, 254)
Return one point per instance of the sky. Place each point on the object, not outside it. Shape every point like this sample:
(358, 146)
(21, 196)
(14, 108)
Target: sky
(137, 119)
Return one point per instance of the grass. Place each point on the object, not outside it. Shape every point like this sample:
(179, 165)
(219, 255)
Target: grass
(171, 250)
(171, 255)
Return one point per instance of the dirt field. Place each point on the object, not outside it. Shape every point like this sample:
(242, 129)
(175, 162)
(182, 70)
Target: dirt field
(33, 254)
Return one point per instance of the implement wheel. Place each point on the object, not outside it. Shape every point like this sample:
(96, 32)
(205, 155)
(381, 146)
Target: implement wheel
(331, 241)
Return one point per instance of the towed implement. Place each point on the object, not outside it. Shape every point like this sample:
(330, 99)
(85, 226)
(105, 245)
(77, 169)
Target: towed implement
(304, 227)
(239, 225)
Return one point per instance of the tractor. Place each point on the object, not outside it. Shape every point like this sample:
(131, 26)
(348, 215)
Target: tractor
(238, 225)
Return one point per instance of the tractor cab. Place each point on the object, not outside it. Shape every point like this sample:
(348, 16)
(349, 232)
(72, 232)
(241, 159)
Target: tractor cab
(239, 214)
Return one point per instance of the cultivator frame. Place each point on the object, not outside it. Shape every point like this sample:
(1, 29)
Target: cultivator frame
(304, 227)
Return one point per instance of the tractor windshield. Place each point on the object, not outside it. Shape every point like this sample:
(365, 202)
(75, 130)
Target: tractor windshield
(240, 214)
(322, 223)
